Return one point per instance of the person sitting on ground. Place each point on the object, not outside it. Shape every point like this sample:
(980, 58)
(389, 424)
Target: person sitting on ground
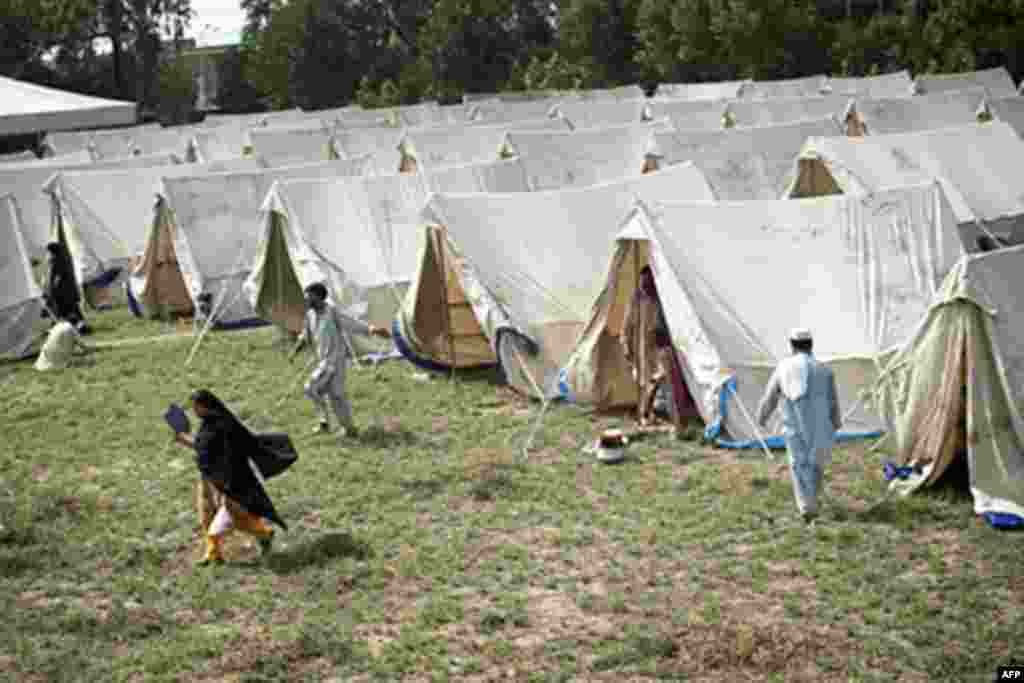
(61, 294)
(223, 448)
(59, 349)
(326, 327)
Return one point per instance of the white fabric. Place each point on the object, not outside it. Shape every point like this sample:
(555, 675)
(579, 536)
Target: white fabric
(20, 296)
(977, 165)
(106, 215)
(601, 113)
(291, 146)
(499, 111)
(794, 87)
(220, 143)
(453, 145)
(720, 90)
(380, 142)
(361, 237)
(25, 182)
(924, 112)
(1010, 110)
(539, 256)
(735, 277)
(59, 348)
(18, 157)
(997, 82)
(81, 157)
(217, 227)
(367, 118)
(784, 110)
(896, 84)
(29, 108)
(690, 114)
(744, 163)
(423, 114)
(554, 160)
(622, 92)
(793, 373)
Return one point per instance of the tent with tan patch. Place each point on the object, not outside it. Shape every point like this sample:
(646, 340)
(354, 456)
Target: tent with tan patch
(859, 271)
(976, 165)
(25, 181)
(743, 163)
(779, 111)
(997, 82)
(513, 276)
(555, 160)
(891, 85)
(21, 300)
(203, 238)
(104, 217)
(952, 395)
(425, 148)
(358, 236)
(924, 112)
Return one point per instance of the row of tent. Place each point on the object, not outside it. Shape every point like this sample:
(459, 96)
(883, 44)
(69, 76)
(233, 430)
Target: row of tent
(528, 261)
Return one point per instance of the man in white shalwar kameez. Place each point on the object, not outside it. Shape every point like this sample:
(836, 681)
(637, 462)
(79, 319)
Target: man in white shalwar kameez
(327, 328)
(810, 417)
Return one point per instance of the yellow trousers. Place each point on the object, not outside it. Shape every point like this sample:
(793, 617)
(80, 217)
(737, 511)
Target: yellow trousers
(218, 515)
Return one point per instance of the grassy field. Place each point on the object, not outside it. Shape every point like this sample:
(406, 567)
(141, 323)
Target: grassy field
(425, 551)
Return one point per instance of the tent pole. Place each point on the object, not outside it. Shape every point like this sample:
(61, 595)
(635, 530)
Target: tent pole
(445, 302)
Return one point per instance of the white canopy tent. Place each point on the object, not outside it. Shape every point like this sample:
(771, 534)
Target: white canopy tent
(30, 108)
(976, 165)
(744, 163)
(21, 300)
(25, 182)
(104, 216)
(997, 82)
(924, 112)
(425, 148)
(858, 271)
(892, 85)
(527, 265)
(205, 234)
(555, 160)
(360, 237)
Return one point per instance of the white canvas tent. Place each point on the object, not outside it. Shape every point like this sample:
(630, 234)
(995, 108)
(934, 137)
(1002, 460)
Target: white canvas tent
(221, 143)
(622, 92)
(104, 216)
(25, 182)
(792, 87)
(503, 272)
(690, 114)
(360, 237)
(21, 300)
(204, 237)
(281, 146)
(782, 110)
(997, 82)
(18, 157)
(859, 271)
(720, 90)
(382, 143)
(744, 163)
(555, 160)
(976, 165)
(953, 394)
(30, 108)
(424, 148)
(601, 113)
(1009, 110)
(924, 112)
(499, 111)
(892, 85)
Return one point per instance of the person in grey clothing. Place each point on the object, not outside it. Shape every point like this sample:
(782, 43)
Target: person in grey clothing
(810, 418)
(327, 329)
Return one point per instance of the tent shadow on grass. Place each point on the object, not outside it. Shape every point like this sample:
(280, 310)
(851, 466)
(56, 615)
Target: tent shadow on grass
(319, 551)
(377, 436)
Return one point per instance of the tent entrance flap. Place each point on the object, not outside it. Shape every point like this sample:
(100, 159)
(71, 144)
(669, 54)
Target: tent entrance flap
(280, 297)
(813, 180)
(163, 288)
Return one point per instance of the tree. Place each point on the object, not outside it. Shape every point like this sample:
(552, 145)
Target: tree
(677, 43)
(601, 36)
(235, 93)
(177, 92)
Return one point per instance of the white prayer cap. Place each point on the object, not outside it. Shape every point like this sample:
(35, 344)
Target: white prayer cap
(800, 334)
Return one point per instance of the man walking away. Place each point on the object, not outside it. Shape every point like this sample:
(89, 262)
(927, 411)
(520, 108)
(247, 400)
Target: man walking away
(326, 328)
(810, 418)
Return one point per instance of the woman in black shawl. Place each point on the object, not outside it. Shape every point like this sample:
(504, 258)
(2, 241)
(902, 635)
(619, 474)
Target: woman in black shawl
(224, 448)
(61, 289)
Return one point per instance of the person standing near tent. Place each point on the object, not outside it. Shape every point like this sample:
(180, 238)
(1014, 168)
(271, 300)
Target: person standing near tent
(327, 329)
(61, 292)
(810, 417)
(223, 450)
(647, 345)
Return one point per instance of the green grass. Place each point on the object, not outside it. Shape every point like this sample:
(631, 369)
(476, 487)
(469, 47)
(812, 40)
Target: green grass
(428, 549)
